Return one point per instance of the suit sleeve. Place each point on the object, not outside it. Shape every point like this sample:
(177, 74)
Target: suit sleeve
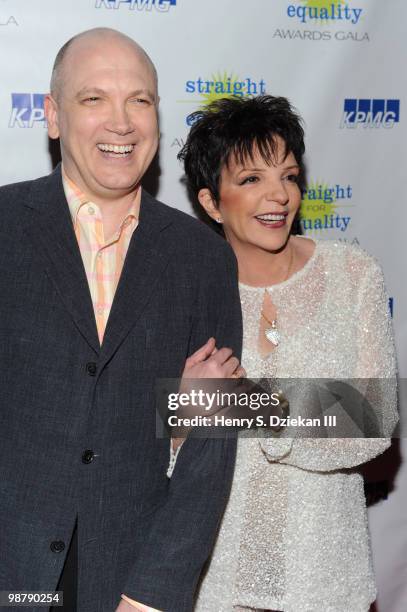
(167, 568)
(375, 377)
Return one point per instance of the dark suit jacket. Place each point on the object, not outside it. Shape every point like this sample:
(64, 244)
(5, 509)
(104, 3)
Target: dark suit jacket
(61, 394)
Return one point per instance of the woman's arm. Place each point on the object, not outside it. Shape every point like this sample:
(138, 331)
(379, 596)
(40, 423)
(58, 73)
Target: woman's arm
(376, 371)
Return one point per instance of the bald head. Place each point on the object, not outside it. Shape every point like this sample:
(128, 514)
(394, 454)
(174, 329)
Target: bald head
(89, 37)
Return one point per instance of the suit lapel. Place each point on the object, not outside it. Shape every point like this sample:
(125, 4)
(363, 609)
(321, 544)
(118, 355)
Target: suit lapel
(51, 230)
(148, 255)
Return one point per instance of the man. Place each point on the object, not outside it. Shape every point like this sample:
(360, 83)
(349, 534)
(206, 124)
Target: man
(102, 291)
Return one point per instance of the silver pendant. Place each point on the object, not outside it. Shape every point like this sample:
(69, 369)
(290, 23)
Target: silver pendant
(272, 334)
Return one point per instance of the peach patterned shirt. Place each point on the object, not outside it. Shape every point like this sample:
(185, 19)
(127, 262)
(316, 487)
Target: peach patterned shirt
(103, 260)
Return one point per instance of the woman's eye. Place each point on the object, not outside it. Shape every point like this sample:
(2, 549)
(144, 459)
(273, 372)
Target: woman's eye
(292, 178)
(249, 179)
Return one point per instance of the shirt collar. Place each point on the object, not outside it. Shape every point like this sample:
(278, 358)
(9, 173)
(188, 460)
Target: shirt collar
(76, 198)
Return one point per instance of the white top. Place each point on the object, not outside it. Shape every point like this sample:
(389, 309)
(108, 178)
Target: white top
(294, 536)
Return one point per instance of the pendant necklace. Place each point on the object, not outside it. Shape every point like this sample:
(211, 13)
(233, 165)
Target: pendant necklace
(272, 334)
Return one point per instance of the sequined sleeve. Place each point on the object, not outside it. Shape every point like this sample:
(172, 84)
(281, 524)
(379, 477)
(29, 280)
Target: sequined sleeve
(376, 367)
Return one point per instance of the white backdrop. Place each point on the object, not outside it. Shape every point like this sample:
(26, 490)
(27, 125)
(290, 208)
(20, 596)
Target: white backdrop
(340, 63)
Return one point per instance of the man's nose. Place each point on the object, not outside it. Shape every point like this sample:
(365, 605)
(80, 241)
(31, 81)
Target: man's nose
(119, 120)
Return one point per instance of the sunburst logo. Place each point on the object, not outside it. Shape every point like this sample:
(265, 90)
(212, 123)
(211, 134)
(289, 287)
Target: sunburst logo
(323, 4)
(324, 11)
(319, 207)
(222, 84)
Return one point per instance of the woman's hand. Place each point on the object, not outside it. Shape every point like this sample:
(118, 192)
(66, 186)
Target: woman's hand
(210, 362)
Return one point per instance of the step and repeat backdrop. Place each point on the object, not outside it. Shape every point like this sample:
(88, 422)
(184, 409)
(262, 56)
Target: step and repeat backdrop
(340, 63)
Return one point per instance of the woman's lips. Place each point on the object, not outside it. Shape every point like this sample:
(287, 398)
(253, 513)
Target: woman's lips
(272, 220)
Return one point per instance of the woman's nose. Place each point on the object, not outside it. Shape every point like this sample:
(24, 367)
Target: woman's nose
(277, 192)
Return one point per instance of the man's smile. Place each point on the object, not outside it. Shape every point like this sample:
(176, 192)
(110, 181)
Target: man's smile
(113, 150)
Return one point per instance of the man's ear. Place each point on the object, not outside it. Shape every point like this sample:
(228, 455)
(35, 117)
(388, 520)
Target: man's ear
(51, 115)
(209, 205)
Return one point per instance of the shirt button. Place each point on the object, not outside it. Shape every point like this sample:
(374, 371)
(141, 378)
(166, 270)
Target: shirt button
(87, 456)
(100, 310)
(99, 255)
(91, 210)
(57, 546)
(91, 368)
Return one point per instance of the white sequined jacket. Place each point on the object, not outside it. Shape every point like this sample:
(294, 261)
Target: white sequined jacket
(294, 536)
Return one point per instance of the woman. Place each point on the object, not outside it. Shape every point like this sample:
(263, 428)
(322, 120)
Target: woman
(294, 535)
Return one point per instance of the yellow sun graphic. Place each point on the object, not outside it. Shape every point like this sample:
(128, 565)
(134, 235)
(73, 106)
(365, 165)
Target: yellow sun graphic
(222, 84)
(315, 208)
(323, 3)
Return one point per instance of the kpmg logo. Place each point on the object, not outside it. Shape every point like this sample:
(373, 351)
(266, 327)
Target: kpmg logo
(325, 207)
(27, 110)
(203, 91)
(162, 6)
(369, 112)
(314, 11)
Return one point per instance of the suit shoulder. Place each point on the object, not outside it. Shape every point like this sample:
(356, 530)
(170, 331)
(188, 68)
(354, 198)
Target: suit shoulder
(192, 229)
(9, 192)
(17, 193)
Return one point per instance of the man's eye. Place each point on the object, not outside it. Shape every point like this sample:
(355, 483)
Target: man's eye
(141, 101)
(91, 99)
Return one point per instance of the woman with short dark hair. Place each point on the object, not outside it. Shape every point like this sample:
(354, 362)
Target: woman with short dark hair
(294, 536)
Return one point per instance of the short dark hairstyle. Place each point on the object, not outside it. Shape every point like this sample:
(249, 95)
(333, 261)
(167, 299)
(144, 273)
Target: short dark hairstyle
(238, 127)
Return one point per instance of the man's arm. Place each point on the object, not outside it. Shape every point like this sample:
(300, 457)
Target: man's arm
(168, 566)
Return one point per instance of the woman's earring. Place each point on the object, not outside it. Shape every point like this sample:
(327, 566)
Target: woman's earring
(219, 220)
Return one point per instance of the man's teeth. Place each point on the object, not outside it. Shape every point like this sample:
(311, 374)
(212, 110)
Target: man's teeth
(271, 217)
(108, 148)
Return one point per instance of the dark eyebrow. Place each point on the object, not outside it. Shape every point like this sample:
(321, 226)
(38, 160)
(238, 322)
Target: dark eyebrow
(250, 169)
(294, 167)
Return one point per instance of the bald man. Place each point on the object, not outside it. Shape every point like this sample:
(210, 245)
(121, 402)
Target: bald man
(104, 290)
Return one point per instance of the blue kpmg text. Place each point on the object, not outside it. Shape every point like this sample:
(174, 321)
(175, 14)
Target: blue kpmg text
(370, 112)
(27, 110)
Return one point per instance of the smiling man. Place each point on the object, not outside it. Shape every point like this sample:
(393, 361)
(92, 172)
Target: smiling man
(103, 290)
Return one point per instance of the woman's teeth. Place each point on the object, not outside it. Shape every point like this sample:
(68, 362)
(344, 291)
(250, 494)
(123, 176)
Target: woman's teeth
(270, 217)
